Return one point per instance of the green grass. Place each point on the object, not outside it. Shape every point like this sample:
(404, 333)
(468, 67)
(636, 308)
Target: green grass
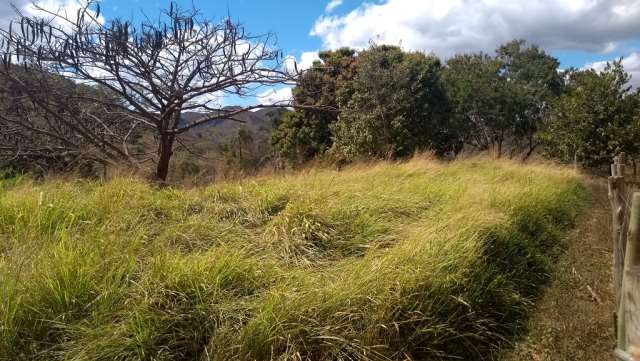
(419, 260)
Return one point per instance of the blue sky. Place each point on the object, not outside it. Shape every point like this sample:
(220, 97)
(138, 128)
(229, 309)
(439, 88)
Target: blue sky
(580, 33)
(290, 20)
(293, 21)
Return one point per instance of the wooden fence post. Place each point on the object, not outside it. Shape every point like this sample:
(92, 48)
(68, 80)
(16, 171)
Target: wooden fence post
(626, 260)
(629, 307)
(617, 198)
(628, 321)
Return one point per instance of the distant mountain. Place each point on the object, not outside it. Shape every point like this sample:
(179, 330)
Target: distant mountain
(260, 123)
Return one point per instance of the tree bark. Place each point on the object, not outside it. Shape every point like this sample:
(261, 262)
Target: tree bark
(165, 151)
(532, 148)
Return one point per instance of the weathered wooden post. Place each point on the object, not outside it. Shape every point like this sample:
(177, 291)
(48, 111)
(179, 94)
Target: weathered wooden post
(628, 323)
(631, 281)
(621, 164)
(618, 206)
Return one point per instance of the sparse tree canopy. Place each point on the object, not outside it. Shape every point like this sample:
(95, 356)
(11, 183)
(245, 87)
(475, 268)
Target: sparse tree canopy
(150, 73)
(56, 133)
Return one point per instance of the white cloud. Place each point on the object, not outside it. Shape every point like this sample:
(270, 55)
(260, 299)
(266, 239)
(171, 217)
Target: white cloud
(332, 5)
(631, 65)
(449, 27)
(212, 100)
(307, 59)
(66, 8)
(290, 63)
(282, 96)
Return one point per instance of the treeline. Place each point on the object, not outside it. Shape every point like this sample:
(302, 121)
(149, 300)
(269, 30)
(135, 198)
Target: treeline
(387, 103)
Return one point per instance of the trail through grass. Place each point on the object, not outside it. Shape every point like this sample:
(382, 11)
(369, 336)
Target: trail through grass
(419, 260)
(573, 320)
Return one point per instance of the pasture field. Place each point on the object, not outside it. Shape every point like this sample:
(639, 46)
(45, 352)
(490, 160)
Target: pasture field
(420, 260)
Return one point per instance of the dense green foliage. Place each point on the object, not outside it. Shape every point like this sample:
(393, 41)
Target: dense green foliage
(481, 99)
(305, 133)
(503, 98)
(536, 81)
(384, 102)
(417, 260)
(596, 118)
(378, 103)
(393, 107)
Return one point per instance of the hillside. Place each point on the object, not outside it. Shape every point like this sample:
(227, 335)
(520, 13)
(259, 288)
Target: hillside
(416, 260)
(260, 123)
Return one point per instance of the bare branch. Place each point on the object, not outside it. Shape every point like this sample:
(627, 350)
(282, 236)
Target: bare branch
(128, 75)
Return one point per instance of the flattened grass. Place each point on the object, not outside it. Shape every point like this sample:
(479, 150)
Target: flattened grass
(418, 260)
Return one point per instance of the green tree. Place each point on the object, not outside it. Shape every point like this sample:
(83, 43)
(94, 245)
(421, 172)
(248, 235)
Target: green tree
(295, 139)
(483, 101)
(535, 82)
(595, 119)
(502, 99)
(305, 133)
(394, 106)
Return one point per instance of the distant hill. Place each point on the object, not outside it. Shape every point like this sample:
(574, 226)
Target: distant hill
(260, 123)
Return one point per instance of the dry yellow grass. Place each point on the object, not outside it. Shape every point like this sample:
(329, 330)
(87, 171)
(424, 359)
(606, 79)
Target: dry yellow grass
(415, 260)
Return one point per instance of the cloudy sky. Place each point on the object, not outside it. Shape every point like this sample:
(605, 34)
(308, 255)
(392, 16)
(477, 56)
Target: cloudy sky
(580, 33)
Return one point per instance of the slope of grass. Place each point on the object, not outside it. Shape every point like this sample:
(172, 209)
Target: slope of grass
(418, 260)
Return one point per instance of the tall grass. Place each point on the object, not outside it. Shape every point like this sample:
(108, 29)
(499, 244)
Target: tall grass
(419, 260)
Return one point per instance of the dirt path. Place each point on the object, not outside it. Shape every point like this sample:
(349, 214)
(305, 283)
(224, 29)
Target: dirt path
(573, 320)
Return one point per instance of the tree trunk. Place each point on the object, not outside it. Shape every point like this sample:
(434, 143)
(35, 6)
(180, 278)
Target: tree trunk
(165, 151)
(165, 147)
(532, 147)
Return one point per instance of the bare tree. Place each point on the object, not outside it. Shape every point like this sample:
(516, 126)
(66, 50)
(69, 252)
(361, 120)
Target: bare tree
(147, 76)
(46, 122)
